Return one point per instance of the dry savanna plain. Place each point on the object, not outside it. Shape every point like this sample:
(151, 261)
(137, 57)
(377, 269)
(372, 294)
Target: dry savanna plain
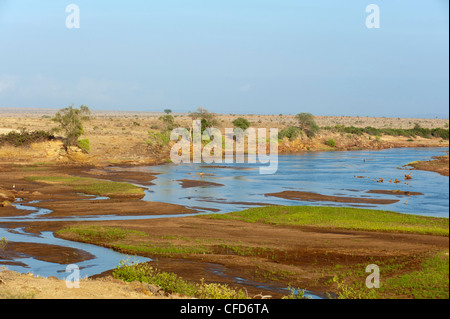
(322, 250)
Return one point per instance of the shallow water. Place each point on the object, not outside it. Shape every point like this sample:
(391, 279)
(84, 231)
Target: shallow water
(327, 173)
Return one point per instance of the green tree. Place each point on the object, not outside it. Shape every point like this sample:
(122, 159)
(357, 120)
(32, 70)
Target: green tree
(241, 123)
(71, 121)
(307, 124)
(206, 118)
(167, 111)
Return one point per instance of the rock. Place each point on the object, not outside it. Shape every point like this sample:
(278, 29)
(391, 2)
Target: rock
(154, 289)
(73, 149)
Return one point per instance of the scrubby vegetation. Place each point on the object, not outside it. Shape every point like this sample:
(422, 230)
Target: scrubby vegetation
(307, 124)
(331, 143)
(241, 123)
(168, 122)
(291, 133)
(84, 145)
(24, 138)
(172, 283)
(158, 139)
(413, 132)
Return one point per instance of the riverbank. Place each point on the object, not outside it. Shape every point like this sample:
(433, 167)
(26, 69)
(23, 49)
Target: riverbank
(438, 164)
(119, 138)
(284, 246)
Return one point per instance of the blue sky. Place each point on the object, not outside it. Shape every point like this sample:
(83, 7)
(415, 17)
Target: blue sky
(229, 56)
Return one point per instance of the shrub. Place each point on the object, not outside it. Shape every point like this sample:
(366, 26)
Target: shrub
(171, 283)
(157, 139)
(84, 145)
(291, 133)
(331, 143)
(307, 124)
(168, 122)
(410, 133)
(440, 132)
(241, 123)
(25, 138)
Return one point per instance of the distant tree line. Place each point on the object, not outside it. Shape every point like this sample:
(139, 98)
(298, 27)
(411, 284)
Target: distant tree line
(417, 130)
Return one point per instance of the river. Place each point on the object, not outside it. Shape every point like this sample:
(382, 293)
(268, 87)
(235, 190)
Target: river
(350, 174)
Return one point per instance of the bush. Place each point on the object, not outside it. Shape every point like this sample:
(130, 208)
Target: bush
(171, 283)
(84, 145)
(157, 139)
(410, 133)
(291, 133)
(308, 124)
(440, 132)
(168, 122)
(241, 123)
(331, 143)
(25, 138)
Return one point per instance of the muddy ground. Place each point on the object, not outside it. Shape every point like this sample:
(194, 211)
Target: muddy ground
(305, 257)
(439, 164)
(314, 197)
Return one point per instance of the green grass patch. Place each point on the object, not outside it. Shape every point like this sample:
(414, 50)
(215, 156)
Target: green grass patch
(92, 186)
(400, 278)
(340, 218)
(162, 249)
(96, 234)
(133, 241)
(431, 281)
